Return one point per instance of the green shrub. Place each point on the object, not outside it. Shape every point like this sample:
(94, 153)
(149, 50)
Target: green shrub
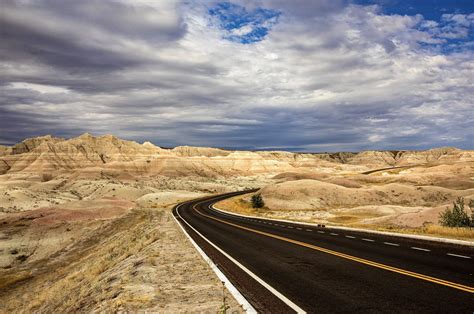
(471, 207)
(257, 201)
(457, 216)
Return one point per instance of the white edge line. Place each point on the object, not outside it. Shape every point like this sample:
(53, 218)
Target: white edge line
(411, 236)
(251, 274)
(247, 307)
(457, 255)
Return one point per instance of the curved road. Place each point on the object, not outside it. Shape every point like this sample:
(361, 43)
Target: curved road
(317, 269)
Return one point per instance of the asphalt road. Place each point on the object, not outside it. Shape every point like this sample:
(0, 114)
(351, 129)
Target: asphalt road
(328, 270)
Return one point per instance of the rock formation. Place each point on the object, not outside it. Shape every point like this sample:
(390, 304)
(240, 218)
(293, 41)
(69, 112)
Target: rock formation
(88, 153)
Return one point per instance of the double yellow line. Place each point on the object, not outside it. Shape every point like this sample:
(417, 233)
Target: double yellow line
(346, 256)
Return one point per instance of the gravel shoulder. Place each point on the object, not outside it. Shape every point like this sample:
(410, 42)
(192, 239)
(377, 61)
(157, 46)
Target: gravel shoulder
(140, 261)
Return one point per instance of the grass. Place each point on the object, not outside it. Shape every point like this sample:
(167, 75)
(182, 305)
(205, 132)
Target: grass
(14, 278)
(239, 205)
(85, 279)
(436, 231)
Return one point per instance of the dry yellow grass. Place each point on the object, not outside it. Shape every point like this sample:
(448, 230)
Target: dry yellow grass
(13, 278)
(139, 262)
(85, 280)
(239, 205)
(434, 230)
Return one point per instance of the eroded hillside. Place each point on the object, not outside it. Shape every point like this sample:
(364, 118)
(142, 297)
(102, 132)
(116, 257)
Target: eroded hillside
(49, 156)
(67, 205)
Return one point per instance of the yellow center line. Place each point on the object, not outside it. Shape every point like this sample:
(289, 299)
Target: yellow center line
(346, 256)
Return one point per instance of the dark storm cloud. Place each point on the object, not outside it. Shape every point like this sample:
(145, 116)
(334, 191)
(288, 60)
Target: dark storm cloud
(26, 43)
(81, 36)
(15, 124)
(328, 76)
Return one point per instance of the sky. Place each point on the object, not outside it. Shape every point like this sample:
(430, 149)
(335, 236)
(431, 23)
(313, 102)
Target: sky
(302, 75)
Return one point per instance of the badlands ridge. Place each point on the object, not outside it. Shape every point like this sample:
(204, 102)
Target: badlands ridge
(49, 155)
(89, 167)
(85, 222)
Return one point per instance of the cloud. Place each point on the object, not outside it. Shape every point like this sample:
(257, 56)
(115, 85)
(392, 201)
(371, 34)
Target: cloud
(78, 36)
(325, 75)
(242, 25)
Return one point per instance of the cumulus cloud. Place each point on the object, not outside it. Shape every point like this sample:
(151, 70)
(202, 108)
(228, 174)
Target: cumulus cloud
(324, 75)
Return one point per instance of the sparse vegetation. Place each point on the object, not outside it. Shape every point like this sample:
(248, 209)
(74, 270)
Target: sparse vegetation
(224, 307)
(121, 249)
(22, 258)
(471, 207)
(91, 258)
(434, 230)
(240, 205)
(257, 201)
(457, 216)
(121, 264)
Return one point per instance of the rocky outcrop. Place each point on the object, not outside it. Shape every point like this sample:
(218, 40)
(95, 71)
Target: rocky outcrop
(380, 159)
(5, 150)
(49, 154)
(90, 154)
(373, 159)
(108, 153)
(192, 151)
(30, 144)
(436, 155)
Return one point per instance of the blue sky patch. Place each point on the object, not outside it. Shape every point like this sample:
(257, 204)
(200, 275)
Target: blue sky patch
(453, 20)
(241, 25)
(431, 10)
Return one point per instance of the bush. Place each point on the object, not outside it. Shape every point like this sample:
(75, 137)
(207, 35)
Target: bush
(457, 216)
(471, 207)
(257, 201)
